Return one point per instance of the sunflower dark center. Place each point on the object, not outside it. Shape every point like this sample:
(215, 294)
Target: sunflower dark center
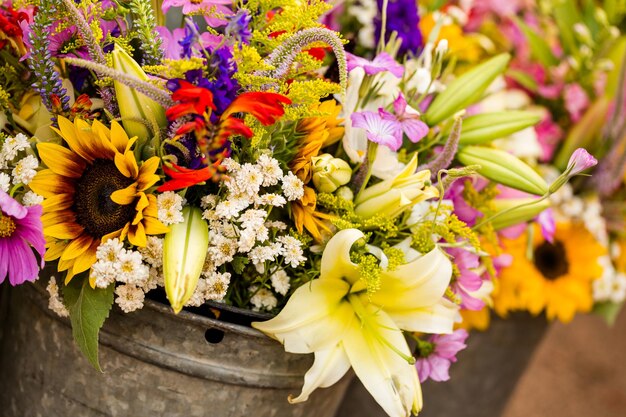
(95, 211)
(551, 259)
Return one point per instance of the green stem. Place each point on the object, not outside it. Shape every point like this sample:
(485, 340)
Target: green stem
(372, 149)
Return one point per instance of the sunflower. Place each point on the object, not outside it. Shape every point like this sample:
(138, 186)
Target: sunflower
(94, 191)
(558, 278)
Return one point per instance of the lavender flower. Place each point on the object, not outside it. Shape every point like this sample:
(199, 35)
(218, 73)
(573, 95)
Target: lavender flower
(437, 354)
(238, 27)
(382, 62)
(380, 128)
(409, 119)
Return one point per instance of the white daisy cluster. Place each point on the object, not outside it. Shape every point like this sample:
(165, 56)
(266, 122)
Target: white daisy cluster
(170, 208)
(611, 286)
(212, 286)
(239, 225)
(262, 299)
(568, 206)
(55, 303)
(127, 267)
(23, 170)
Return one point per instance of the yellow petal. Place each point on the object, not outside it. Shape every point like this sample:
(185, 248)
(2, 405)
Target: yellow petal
(67, 130)
(60, 160)
(48, 184)
(125, 196)
(154, 226)
(119, 137)
(137, 235)
(54, 249)
(77, 247)
(86, 259)
(336, 263)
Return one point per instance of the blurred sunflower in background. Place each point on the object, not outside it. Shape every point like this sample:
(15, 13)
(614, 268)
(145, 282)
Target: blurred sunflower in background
(553, 276)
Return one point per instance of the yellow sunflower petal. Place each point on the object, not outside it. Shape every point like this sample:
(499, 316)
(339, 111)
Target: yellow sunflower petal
(125, 196)
(154, 227)
(48, 184)
(58, 202)
(77, 247)
(119, 137)
(153, 209)
(137, 235)
(102, 139)
(147, 177)
(63, 231)
(54, 249)
(60, 160)
(85, 260)
(67, 130)
(141, 205)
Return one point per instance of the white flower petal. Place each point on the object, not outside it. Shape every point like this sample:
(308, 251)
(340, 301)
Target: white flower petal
(336, 263)
(438, 318)
(389, 378)
(328, 368)
(314, 318)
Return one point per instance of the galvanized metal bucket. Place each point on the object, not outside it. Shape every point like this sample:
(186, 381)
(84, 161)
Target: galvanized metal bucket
(155, 364)
(482, 380)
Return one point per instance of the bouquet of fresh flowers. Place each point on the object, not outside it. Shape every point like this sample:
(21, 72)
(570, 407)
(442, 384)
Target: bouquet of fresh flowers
(240, 154)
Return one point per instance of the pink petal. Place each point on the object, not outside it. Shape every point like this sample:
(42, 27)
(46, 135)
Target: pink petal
(22, 262)
(10, 207)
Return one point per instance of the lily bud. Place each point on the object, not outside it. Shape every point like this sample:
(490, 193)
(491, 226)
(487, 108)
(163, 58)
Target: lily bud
(578, 162)
(465, 90)
(503, 168)
(522, 211)
(184, 251)
(483, 128)
(393, 196)
(133, 104)
(330, 173)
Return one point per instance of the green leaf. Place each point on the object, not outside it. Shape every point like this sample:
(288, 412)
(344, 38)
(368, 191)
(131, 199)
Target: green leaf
(239, 263)
(608, 311)
(88, 308)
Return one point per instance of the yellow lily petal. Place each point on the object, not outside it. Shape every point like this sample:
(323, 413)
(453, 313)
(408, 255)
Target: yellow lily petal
(336, 263)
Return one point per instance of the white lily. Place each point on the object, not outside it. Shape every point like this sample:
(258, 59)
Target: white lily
(344, 326)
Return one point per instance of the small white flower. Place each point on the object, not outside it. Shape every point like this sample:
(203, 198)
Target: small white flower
(104, 273)
(293, 188)
(109, 251)
(246, 240)
(248, 180)
(261, 254)
(208, 202)
(155, 280)
(132, 270)
(270, 169)
(199, 295)
(55, 304)
(222, 249)
(262, 233)
(129, 297)
(230, 208)
(32, 199)
(170, 207)
(152, 253)
(217, 285)
(263, 299)
(231, 165)
(275, 200)
(276, 225)
(25, 170)
(280, 282)
(252, 218)
(5, 182)
(13, 145)
(292, 250)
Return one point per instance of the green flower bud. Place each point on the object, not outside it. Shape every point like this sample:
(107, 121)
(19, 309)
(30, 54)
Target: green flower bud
(503, 168)
(329, 173)
(465, 90)
(184, 252)
(516, 210)
(483, 128)
(132, 104)
(345, 193)
(393, 196)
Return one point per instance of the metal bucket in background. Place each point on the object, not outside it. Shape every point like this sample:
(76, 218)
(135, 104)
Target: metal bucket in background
(481, 382)
(155, 364)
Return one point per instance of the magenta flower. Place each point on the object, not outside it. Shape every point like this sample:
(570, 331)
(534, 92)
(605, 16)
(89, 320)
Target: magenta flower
(437, 354)
(21, 230)
(468, 281)
(174, 50)
(580, 161)
(549, 135)
(216, 9)
(382, 62)
(576, 100)
(380, 128)
(410, 121)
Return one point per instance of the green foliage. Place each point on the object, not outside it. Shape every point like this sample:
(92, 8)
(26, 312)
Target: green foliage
(88, 308)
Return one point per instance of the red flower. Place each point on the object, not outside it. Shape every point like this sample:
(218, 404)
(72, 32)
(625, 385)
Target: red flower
(184, 177)
(266, 107)
(193, 100)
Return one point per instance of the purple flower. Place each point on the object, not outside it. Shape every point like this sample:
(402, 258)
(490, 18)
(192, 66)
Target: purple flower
(467, 281)
(410, 121)
(215, 8)
(21, 230)
(547, 223)
(580, 161)
(382, 62)
(437, 354)
(238, 27)
(380, 128)
(172, 42)
(403, 18)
